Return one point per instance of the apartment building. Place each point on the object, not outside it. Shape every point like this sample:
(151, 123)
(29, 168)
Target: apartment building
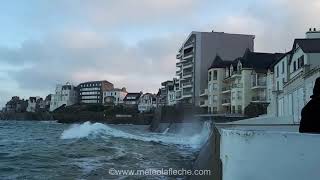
(233, 85)
(66, 94)
(293, 86)
(195, 57)
(92, 92)
(114, 96)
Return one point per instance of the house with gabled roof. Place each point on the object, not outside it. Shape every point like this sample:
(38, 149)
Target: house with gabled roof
(132, 99)
(299, 70)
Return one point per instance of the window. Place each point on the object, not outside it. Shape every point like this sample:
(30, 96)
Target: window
(214, 109)
(277, 85)
(277, 71)
(239, 109)
(210, 75)
(282, 67)
(233, 109)
(294, 66)
(215, 75)
(214, 87)
(239, 94)
(214, 98)
(300, 61)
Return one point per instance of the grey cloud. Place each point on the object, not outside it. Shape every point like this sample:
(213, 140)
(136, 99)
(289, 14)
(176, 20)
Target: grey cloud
(76, 59)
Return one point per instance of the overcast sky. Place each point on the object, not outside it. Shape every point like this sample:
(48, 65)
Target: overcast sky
(130, 43)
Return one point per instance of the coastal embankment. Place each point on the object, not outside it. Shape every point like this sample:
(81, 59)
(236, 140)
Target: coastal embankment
(22, 116)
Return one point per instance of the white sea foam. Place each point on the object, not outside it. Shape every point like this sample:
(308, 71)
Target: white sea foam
(165, 131)
(102, 130)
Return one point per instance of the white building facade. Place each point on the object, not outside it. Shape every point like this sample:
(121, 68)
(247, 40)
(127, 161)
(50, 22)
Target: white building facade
(64, 95)
(233, 85)
(147, 102)
(294, 77)
(114, 96)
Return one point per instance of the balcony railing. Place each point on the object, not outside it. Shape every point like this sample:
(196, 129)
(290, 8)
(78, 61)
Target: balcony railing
(204, 103)
(187, 73)
(187, 64)
(187, 93)
(188, 54)
(259, 98)
(260, 83)
(226, 88)
(189, 43)
(204, 92)
(187, 84)
(237, 85)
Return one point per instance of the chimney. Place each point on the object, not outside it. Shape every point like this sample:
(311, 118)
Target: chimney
(312, 33)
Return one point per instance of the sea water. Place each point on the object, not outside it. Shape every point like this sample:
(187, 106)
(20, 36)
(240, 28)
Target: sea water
(49, 150)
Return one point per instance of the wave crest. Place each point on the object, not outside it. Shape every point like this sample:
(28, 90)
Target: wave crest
(88, 129)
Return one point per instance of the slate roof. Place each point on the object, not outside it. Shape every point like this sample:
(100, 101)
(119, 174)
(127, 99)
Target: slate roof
(279, 59)
(258, 60)
(255, 60)
(308, 45)
(219, 63)
(135, 95)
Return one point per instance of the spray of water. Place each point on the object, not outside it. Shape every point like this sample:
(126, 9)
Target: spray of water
(88, 129)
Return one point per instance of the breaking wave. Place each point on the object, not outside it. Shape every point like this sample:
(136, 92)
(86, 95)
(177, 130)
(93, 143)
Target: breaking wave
(88, 129)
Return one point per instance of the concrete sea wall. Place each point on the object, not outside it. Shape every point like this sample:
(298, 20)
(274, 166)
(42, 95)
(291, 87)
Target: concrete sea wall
(269, 155)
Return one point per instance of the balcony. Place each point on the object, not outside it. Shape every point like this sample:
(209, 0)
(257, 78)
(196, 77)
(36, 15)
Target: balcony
(226, 90)
(178, 64)
(204, 103)
(178, 94)
(187, 65)
(187, 94)
(189, 45)
(178, 72)
(237, 85)
(187, 84)
(179, 56)
(236, 74)
(259, 99)
(187, 75)
(188, 55)
(226, 102)
(259, 85)
(204, 92)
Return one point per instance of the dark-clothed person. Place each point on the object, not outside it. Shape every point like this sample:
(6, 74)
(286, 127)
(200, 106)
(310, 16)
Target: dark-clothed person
(310, 114)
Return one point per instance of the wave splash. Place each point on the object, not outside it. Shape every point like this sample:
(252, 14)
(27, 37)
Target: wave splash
(88, 129)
